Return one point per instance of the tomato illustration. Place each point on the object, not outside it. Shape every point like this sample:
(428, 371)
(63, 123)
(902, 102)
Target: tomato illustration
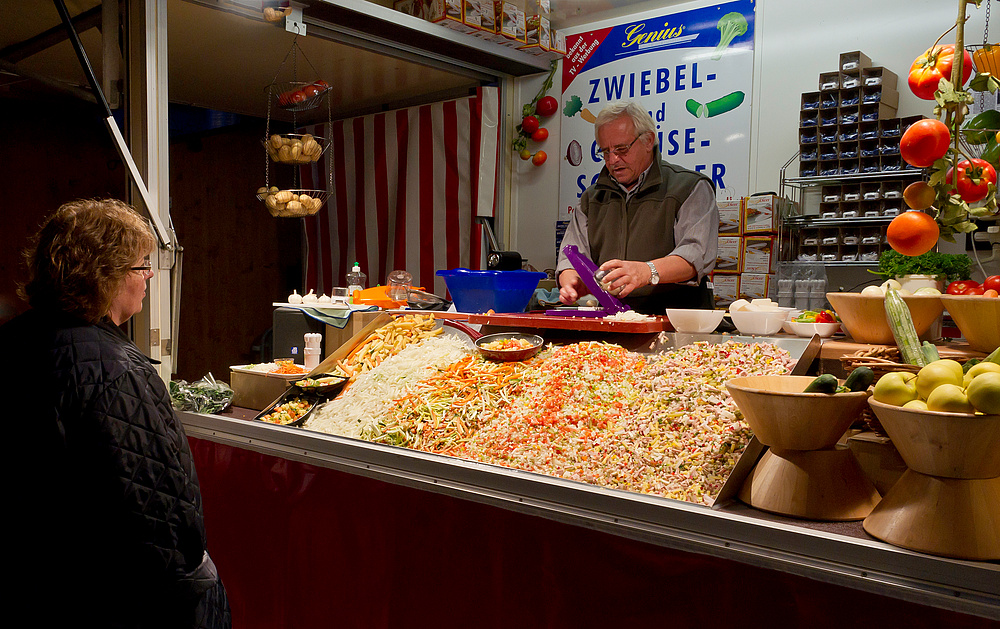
(973, 180)
(935, 64)
(924, 142)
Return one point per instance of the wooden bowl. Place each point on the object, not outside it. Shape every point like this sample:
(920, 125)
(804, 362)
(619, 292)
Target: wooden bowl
(864, 317)
(949, 445)
(784, 418)
(818, 485)
(977, 317)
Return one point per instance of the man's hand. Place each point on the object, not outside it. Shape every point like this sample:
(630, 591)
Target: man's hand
(571, 287)
(626, 275)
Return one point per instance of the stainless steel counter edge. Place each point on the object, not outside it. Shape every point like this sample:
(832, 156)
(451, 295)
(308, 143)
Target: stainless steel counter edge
(864, 564)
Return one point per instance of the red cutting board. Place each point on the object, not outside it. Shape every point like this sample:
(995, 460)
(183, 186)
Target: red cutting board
(560, 322)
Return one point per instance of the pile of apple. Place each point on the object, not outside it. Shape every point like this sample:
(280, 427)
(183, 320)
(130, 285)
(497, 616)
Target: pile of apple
(942, 386)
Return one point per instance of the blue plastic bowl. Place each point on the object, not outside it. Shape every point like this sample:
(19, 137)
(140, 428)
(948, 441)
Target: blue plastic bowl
(499, 291)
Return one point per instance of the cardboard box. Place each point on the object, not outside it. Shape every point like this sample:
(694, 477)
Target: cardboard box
(487, 21)
(725, 288)
(510, 23)
(536, 35)
(729, 257)
(256, 390)
(762, 213)
(760, 254)
(758, 286)
(430, 10)
(729, 217)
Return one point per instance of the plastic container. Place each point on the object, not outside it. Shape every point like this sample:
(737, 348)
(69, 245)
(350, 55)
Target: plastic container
(356, 279)
(499, 291)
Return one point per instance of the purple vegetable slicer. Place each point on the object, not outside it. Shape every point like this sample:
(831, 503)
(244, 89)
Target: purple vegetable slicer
(586, 268)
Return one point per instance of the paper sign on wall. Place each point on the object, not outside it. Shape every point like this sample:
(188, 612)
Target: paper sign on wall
(692, 71)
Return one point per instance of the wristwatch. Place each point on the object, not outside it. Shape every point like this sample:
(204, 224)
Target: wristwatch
(655, 277)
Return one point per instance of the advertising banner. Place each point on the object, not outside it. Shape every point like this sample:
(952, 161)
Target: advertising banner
(692, 70)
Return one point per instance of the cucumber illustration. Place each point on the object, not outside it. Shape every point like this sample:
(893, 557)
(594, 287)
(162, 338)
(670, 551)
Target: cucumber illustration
(717, 107)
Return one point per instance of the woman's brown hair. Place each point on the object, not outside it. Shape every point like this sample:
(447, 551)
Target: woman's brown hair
(80, 258)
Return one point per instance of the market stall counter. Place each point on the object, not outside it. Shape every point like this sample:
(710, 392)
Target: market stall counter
(308, 527)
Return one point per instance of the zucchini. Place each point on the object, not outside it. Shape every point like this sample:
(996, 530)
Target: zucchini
(930, 352)
(901, 324)
(860, 379)
(827, 383)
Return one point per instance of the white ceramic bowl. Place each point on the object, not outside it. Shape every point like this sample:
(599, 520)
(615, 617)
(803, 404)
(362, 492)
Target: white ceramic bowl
(758, 322)
(693, 321)
(807, 330)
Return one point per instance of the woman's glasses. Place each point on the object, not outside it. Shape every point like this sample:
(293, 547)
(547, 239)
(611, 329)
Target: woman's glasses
(146, 266)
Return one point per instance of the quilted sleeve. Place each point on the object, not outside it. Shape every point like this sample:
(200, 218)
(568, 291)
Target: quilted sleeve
(152, 473)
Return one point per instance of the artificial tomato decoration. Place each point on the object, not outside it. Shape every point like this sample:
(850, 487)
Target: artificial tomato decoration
(297, 96)
(525, 154)
(974, 179)
(539, 158)
(924, 142)
(929, 68)
(974, 290)
(912, 233)
(992, 283)
(321, 84)
(546, 106)
(541, 135)
(958, 287)
(529, 124)
(311, 90)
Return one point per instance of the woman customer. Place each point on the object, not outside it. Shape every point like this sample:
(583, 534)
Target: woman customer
(105, 503)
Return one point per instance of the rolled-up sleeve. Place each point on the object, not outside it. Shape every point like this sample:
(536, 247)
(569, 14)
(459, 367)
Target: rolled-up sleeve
(696, 229)
(576, 234)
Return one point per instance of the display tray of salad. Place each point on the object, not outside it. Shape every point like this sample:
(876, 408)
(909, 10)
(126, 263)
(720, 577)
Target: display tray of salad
(291, 409)
(825, 323)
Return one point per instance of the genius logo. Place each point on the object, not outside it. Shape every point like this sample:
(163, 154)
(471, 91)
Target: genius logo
(635, 35)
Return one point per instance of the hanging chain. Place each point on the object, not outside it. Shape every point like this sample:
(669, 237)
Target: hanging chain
(986, 34)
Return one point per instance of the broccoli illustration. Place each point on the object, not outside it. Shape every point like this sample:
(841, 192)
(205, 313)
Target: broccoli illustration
(731, 26)
(573, 106)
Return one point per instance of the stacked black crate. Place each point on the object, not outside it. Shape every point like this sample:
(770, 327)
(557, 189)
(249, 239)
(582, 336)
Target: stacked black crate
(849, 128)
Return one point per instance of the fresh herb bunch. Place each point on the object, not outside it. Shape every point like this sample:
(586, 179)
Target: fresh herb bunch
(948, 267)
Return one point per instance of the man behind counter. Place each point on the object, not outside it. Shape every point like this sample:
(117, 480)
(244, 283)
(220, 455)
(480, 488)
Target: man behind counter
(652, 225)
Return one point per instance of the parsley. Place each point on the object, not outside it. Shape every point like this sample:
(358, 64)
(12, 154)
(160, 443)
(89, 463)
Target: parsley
(947, 266)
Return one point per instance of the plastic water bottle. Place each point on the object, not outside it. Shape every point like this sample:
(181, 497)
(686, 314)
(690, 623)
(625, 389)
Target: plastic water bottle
(355, 280)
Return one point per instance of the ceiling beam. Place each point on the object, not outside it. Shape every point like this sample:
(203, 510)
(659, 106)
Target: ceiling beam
(91, 18)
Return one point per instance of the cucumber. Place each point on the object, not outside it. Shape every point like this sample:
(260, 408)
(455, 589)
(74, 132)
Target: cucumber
(860, 379)
(994, 357)
(901, 324)
(930, 352)
(827, 383)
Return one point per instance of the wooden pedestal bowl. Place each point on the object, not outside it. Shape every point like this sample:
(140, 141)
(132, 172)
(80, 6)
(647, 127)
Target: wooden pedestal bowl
(863, 316)
(948, 501)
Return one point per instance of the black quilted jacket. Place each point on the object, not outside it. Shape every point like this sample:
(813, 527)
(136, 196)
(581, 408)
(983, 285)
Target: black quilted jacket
(105, 497)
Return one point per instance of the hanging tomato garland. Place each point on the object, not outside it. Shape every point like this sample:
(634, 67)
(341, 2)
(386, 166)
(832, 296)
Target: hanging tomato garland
(530, 128)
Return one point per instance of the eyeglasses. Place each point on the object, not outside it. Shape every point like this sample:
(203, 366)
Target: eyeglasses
(621, 150)
(145, 268)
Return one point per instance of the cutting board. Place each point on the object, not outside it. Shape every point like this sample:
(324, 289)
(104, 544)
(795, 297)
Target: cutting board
(559, 322)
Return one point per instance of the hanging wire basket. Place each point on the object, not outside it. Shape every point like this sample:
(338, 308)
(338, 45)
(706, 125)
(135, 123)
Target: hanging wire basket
(295, 148)
(298, 95)
(985, 58)
(293, 201)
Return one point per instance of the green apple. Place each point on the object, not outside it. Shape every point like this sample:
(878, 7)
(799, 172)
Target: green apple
(984, 392)
(917, 405)
(949, 398)
(896, 388)
(978, 368)
(937, 373)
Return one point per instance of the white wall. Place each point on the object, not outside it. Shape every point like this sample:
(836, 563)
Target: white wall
(795, 41)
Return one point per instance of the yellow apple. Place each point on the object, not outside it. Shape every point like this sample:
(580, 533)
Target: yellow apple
(917, 404)
(937, 373)
(984, 392)
(977, 369)
(896, 388)
(949, 398)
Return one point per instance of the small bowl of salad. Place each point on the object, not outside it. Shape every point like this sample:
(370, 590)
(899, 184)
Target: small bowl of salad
(811, 322)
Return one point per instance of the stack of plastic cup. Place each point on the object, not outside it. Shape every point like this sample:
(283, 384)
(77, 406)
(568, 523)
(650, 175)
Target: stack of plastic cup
(312, 350)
